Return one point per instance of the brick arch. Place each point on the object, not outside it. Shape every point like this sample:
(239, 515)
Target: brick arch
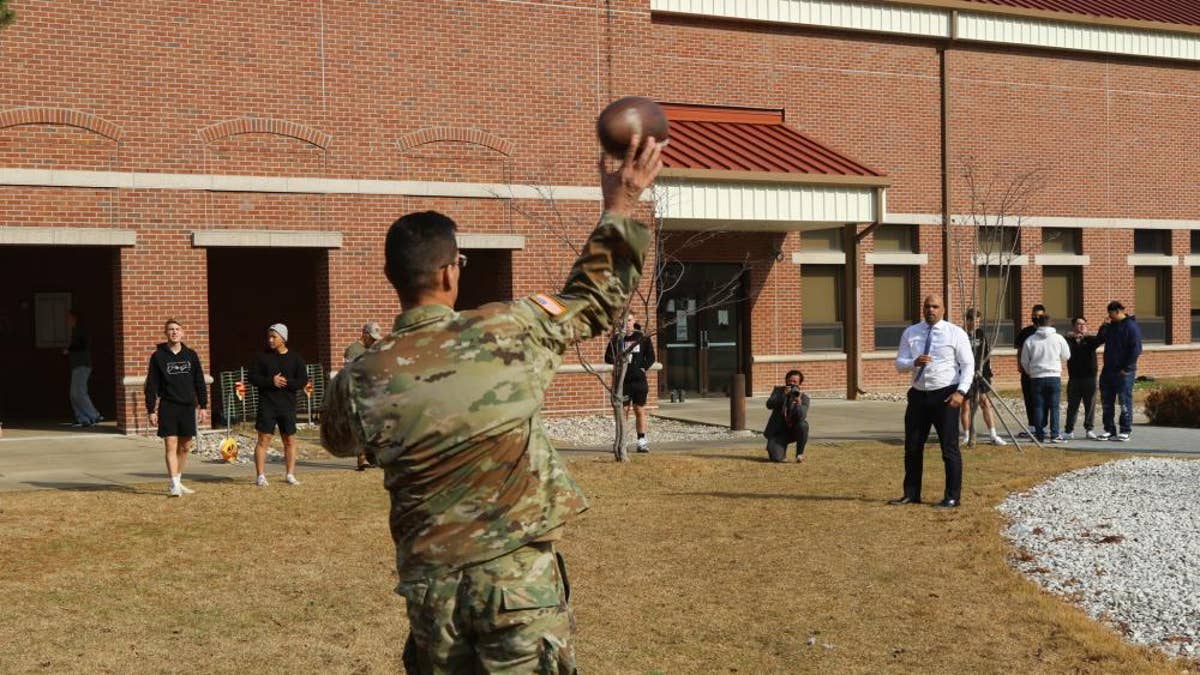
(260, 125)
(60, 116)
(456, 134)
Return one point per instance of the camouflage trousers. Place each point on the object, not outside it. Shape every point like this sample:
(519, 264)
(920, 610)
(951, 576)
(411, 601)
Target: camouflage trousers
(507, 615)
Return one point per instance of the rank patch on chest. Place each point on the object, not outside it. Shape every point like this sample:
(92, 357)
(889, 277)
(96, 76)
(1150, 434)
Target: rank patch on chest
(552, 306)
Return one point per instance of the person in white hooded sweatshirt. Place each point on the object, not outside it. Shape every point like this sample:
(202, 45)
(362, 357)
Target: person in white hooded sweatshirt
(1042, 357)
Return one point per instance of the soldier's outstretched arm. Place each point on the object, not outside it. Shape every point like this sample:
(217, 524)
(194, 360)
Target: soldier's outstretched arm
(341, 433)
(610, 264)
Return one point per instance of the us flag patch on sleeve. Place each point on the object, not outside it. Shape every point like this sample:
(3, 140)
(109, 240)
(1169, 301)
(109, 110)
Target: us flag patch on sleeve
(552, 306)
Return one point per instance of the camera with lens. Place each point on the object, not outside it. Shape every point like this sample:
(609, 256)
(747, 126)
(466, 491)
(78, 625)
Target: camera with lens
(793, 391)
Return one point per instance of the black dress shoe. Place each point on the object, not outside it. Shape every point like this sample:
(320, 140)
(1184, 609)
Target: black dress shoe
(946, 504)
(904, 500)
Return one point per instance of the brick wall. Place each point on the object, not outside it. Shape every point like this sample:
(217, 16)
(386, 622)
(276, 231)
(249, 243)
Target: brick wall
(507, 92)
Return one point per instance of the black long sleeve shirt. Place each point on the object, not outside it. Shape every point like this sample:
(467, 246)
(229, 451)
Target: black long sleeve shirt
(175, 378)
(262, 375)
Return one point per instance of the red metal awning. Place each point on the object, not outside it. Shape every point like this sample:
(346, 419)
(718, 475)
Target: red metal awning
(1159, 11)
(746, 144)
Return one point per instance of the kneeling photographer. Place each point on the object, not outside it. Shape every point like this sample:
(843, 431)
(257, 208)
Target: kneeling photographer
(789, 418)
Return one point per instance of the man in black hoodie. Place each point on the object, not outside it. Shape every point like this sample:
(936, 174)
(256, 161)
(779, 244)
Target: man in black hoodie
(174, 388)
(279, 374)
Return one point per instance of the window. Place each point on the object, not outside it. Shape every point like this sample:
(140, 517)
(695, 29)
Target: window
(821, 302)
(821, 240)
(997, 239)
(895, 239)
(50, 320)
(1195, 242)
(1062, 240)
(1156, 242)
(1150, 302)
(1063, 295)
(895, 303)
(998, 303)
(1195, 300)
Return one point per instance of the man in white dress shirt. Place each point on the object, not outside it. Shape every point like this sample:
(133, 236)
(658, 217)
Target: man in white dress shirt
(939, 355)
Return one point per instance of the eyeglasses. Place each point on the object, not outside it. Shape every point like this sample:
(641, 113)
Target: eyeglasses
(460, 262)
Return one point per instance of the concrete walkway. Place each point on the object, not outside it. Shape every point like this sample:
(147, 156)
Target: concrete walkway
(100, 459)
(840, 420)
(62, 458)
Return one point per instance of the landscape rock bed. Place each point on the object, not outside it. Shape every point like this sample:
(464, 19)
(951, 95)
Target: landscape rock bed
(596, 431)
(1122, 541)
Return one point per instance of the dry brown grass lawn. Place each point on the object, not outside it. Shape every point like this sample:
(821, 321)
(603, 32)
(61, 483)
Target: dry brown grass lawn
(686, 564)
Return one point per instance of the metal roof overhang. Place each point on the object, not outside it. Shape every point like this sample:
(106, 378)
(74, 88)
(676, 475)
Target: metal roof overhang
(743, 170)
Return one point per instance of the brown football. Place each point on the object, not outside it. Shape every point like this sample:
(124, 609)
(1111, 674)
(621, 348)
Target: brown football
(627, 116)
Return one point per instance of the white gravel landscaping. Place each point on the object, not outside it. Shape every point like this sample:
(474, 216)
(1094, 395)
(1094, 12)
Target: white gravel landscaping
(1121, 540)
(596, 431)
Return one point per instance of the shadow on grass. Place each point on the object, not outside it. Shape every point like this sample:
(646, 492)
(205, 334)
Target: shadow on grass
(87, 487)
(191, 477)
(756, 495)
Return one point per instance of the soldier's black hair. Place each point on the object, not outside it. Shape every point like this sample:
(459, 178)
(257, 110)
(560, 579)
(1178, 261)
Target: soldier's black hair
(418, 246)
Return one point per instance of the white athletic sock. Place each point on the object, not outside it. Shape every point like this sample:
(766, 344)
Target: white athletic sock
(992, 432)
(175, 480)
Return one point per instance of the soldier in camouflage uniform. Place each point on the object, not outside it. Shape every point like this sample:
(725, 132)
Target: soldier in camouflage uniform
(450, 405)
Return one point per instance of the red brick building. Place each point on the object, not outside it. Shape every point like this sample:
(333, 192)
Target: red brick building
(235, 164)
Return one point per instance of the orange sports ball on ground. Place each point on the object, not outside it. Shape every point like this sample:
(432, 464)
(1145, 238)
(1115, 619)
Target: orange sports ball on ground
(626, 116)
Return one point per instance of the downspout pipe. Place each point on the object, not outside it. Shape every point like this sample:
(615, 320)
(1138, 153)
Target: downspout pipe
(945, 137)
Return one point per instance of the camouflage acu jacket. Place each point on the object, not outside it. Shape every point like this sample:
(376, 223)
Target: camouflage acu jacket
(450, 404)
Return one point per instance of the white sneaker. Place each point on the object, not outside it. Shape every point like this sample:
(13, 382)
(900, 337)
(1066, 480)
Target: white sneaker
(291, 480)
(1092, 435)
(175, 490)
(261, 481)
(1058, 439)
(965, 440)
(1103, 436)
(186, 490)
(1070, 435)
(643, 445)
(1122, 437)
(996, 440)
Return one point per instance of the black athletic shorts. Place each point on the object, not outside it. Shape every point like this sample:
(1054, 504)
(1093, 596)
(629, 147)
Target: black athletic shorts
(176, 419)
(269, 418)
(636, 392)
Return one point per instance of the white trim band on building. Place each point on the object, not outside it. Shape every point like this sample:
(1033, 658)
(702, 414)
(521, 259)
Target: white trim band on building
(266, 239)
(140, 380)
(999, 259)
(1089, 34)
(795, 358)
(67, 236)
(1191, 260)
(1151, 260)
(576, 368)
(131, 180)
(747, 206)
(1062, 259)
(511, 242)
(897, 258)
(819, 258)
(1080, 222)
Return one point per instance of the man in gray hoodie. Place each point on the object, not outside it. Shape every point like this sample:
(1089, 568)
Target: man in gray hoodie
(1042, 358)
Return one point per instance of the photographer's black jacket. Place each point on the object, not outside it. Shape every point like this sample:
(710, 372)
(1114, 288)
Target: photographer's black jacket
(786, 412)
(176, 378)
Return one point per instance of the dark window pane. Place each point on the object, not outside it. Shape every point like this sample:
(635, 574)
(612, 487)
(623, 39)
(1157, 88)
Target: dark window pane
(1151, 241)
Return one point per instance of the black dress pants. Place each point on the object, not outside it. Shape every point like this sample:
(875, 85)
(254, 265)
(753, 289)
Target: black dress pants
(929, 409)
(777, 443)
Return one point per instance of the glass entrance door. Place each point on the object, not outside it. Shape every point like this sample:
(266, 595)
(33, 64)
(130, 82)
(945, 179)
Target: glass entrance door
(702, 334)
